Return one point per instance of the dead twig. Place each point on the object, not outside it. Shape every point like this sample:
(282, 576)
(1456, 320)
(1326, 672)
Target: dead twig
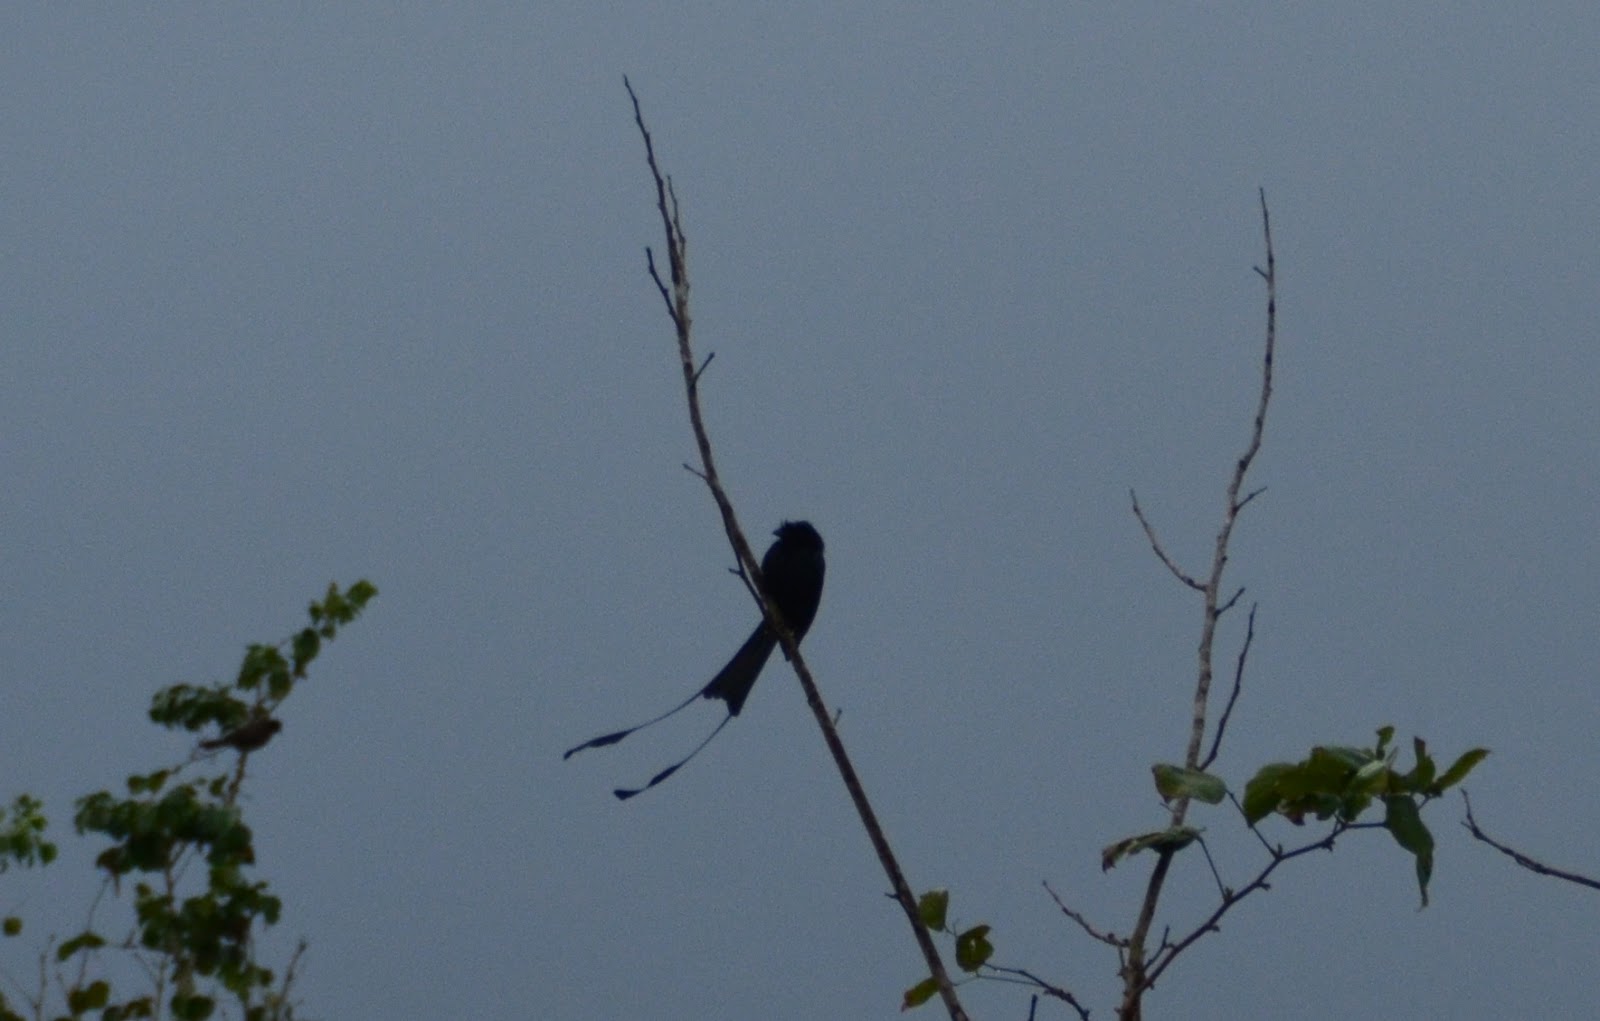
(1233, 696)
(1527, 862)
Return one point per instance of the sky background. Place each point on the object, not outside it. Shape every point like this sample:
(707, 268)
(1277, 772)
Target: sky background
(361, 292)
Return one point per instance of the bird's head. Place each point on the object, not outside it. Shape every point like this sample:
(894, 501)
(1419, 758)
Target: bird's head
(799, 534)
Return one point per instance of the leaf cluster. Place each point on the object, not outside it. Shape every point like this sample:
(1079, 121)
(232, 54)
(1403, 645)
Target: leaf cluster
(1341, 783)
(193, 937)
(972, 945)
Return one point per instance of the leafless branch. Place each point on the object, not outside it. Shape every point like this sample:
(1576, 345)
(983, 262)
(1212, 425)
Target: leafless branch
(1138, 971)
(1531, 864)
(1022, 976)
(1160, 551)
(1233, 696)
(1083, 923)
(1169, 951)
(678, 310)
(1225, 607)
(1211, 863)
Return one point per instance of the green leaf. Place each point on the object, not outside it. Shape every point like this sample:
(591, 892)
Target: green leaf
(1424, 873)
(87, 939)
(11, 925)
(1173, 782)
(360, 594)
(192, 1008)
(1421, 776)
(306, 646)
(1332, 780)
(1351, 807)
(1340, 757)
(973, 948)
(1370, 778)
(932, 906)
(920, 993)
(1404, 821)
(90, 997)
(1459, 769)
(1265, 791)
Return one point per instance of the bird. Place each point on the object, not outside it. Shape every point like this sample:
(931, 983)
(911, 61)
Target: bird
(247, 737)
(792, 573)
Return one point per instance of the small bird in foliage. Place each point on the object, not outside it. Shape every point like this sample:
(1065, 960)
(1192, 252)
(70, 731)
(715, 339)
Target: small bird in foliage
(246, 738)
(792, 572)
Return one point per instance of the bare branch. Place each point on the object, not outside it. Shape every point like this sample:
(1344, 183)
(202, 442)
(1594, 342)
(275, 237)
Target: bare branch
(1219, 556)
(1222, 888)
(1169, 951)
(701, 371)
(1160, 551)
(1083, 923)
(1531, 864)
(1137, 973)
(1225, 607)
(1027, 978)
(666, 296)
(1238, 683)
(750, 569)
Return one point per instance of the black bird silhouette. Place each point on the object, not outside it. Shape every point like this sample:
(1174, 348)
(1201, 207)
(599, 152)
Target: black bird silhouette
(248, 737)
(792, 571)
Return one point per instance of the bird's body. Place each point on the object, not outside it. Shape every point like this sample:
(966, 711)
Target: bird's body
(791, 575)
(246, 738)
(792, 571)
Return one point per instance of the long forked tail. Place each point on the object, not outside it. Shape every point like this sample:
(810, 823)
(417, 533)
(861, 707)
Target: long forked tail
(734, 681)
(615, 736)
(624, 793)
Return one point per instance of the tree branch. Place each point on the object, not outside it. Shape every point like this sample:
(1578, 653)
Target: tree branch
(1531, 864)
(1233, 696)
(678, 309)
(1022, 976)
(1134, 973)
(1169, 951)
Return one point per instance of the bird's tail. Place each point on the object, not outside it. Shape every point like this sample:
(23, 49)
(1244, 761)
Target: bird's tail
(734, 681)
(618, 735)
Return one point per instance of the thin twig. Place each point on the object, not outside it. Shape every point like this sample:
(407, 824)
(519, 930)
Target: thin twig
(1253, 828)
(1083, 923)
(1222, 887)
(1028, 978)
(1225, 607)
(701, 371)
(1160, 551)
(1531, 864)
(1169, 951)
(1233, 696)
(667, 205)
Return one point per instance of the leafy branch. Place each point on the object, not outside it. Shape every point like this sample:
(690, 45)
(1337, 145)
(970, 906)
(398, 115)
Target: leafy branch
(192, 939)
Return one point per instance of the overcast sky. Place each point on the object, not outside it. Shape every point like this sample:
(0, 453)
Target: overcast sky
(360, 291)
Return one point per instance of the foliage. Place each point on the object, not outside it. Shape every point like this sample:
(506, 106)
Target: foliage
(972, 946)
(1341, 783)
(178, 836)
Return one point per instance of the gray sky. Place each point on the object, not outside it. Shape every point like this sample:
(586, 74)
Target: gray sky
(361, 293)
